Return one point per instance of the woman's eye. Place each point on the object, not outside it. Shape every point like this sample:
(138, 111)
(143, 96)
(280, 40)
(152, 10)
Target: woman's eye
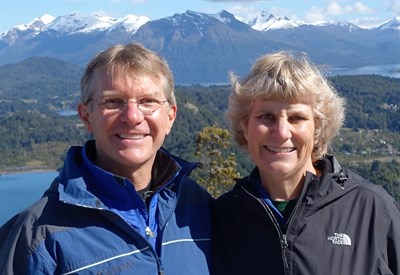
(297, 118)
(266, 117)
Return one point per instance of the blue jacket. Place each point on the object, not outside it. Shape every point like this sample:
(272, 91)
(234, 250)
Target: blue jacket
(71, 231)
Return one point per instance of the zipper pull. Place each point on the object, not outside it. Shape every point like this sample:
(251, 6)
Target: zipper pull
(284, 245)
(148, 232)
(161, 270)
(146, 194)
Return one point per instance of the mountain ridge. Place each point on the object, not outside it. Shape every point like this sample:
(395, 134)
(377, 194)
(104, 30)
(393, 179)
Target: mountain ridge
(200, 47)
(263, 22)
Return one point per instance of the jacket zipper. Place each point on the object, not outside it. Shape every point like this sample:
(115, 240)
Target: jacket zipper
(148, 231)
(284, 246)
(282, 237)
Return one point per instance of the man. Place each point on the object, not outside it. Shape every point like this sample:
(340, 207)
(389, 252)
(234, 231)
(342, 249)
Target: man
(121, 203)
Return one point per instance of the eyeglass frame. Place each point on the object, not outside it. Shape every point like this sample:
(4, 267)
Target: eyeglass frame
(102, 102)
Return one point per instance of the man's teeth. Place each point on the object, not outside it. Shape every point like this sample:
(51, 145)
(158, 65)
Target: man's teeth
(280, 150)
(132, 136)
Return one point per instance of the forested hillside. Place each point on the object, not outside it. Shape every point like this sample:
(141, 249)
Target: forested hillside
(373, 101)
(34, 136)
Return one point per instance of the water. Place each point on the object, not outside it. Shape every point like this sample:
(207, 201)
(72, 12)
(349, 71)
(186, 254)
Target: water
(19, 190)
(67, 112)
(392, 70)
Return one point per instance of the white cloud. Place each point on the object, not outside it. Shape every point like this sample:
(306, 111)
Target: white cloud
(314, 15)
(232, 0)
(336, 9)
(393, 6)
(246, 12)
(249, 12)
(333, 9)
(367, 22)
(361, 8)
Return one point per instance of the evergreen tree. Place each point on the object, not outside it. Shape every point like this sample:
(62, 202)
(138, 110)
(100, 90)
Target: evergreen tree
(217, 169)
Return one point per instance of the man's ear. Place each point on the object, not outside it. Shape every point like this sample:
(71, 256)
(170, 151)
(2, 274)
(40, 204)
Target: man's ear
(171, 118)
(84, 114)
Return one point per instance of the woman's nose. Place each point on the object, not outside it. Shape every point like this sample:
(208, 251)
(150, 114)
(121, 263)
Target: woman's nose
(282, 129)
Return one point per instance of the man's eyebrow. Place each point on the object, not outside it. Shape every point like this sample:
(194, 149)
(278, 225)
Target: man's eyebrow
(150, 94)
(110, 92)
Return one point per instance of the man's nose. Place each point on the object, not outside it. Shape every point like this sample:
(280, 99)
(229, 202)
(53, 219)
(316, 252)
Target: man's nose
(132, 113)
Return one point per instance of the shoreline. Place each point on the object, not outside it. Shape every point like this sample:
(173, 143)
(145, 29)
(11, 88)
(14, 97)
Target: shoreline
(26, 170)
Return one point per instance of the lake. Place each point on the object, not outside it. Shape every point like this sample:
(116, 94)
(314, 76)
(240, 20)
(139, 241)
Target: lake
(19, 190)
(391, 70)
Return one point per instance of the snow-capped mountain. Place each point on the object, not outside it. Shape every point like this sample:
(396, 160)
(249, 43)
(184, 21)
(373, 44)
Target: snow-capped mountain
(77, 22)
(71, 24)
(265, 21)
(39, 23)
(130, 23)
(391, 24)
(28, 30)
(203, 47)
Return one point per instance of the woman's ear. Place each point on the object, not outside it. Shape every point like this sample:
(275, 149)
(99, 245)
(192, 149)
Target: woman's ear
(243, 130)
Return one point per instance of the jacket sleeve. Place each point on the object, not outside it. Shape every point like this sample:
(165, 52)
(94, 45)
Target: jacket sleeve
(12, 257)
(19, 253)
(394, 237)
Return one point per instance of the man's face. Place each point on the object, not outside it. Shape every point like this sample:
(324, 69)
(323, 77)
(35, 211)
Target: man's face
(127, 140)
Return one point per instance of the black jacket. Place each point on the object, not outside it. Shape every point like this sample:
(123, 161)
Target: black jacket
(341, 225)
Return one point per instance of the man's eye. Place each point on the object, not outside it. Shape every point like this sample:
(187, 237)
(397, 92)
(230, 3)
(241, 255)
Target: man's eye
(113, 103)
(148, 101)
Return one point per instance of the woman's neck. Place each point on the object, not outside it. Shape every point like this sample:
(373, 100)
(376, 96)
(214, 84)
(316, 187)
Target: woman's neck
(281, 188)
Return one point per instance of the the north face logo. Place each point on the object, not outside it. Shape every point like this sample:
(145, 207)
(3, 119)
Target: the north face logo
(340, 238)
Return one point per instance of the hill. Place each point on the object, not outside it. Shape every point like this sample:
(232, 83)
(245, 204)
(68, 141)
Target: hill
(39, 83)
(34, 136)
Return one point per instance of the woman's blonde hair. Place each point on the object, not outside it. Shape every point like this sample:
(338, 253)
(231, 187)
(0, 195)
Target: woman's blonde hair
(282, 77)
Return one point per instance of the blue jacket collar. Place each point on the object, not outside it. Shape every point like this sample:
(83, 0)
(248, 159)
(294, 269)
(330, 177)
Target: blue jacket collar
(79, 174)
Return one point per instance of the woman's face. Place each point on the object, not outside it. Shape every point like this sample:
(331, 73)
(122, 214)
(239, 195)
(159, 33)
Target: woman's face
(280, 139)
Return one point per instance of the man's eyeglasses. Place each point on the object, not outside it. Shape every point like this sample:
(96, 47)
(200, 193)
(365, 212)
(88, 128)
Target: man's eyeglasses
(147, 105)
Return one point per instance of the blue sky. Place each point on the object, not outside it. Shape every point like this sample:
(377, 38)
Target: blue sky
(363, 13)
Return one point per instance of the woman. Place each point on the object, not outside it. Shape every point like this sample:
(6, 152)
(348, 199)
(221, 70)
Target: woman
(299, 211)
